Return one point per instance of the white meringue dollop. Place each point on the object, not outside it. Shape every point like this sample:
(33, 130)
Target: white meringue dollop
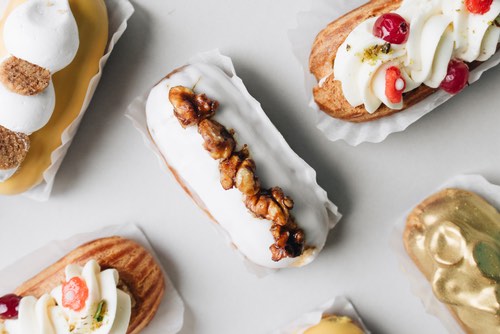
(43, 32)
(26, 114)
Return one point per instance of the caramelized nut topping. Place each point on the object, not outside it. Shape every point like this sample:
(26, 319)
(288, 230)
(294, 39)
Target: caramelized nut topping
(246, 180)
(218, 141)
(271, 205)
(289, 241)
(238, 170)
(229, 167)
(13, 148)
(190, 108)
(24, 78)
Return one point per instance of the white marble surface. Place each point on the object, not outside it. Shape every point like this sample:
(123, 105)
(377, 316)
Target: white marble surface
(109, 176)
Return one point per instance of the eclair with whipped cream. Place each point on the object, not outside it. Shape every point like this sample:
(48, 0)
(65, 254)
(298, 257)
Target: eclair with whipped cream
(387, 56)
(108, 286)
(49, 52)
(227, 155)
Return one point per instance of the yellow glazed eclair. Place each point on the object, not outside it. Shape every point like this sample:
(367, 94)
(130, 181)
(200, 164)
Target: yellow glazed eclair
(333, 324)
(110, 286)
(50, 51)
(453, 238)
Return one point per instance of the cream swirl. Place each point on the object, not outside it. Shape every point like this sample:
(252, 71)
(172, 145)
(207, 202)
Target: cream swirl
(48, 315)
(439, 31)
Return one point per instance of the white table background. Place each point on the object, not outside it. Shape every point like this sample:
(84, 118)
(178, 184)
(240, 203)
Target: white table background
(109, 177)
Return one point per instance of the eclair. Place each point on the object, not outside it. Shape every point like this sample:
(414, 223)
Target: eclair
(387, 56)
(333, 324)
(49, 52)
(227, 155)
(110, 286)
(453, 238)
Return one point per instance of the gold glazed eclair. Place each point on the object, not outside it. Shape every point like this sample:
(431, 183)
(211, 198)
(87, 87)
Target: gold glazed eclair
(49, 52)
(454, 239)
(74, 295)
(387, 56)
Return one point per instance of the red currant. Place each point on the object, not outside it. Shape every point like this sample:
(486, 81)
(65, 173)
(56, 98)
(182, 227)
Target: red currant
(392, 28)
(9, 306)
(478, 6)
(395, 85)
(457, 77)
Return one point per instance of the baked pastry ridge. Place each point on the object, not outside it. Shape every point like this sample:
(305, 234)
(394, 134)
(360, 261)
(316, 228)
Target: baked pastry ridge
(454, 239)
(353, 66)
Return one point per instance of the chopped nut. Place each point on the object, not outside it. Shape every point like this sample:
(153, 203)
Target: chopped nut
(271, 205)
(239, 171)
(289, 241)
(246, 180)
(24, 78)
(228, 169)
(13, 148)
(218, 141)
(190, 108)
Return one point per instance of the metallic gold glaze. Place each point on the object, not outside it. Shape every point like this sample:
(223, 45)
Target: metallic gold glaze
(335, 325)
(454, 238)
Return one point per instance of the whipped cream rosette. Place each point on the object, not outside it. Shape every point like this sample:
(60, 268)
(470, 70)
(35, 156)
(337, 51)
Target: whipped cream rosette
(221, 147)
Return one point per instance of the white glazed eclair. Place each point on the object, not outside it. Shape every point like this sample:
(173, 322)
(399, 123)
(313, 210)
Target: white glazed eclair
(227, 155)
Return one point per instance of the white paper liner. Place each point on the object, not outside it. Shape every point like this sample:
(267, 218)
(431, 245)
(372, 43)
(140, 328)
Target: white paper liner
(337, 306)
(310, 23)
(418, 283)
(119, 11)
(170, 315)
(137, 114)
